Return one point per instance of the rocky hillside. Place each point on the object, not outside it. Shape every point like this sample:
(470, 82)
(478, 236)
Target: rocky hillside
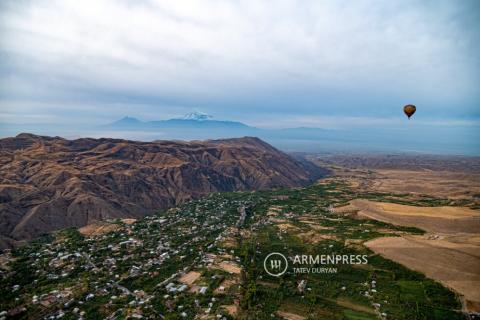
(48, 183)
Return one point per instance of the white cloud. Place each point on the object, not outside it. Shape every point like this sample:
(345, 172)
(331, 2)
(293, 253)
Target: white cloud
(211, 51)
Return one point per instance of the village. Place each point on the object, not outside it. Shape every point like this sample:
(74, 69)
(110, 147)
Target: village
(127, 270)
(204, 260)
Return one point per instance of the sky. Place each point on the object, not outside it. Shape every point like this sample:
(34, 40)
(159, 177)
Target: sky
(271, 64)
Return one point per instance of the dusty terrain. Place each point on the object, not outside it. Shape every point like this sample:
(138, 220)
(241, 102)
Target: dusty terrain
(455, 264)
(452, 177)
(50, 183)
(101, 227)
(441, 184)
(446, 184)
(189, 278)
(232, 309)
(289, 315)
(449, 252)
(433, 219)
(230, 267)
(416, 162)
(98, 228)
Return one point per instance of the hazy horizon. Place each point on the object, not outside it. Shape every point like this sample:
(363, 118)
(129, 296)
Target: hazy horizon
(66, 66)
(411, 137)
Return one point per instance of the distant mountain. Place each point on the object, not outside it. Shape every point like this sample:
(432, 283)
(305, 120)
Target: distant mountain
(194, 126)
(127, 121)
(198, 126)
(194, 121)
(429, 138)
(49, 183)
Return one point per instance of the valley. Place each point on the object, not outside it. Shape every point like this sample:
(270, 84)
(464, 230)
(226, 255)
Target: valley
(204, 260)
(51, 183)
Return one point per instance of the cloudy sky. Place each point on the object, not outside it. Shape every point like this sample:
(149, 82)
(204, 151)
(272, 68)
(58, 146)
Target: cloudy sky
(332, 64)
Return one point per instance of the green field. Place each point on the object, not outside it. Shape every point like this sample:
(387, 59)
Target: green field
(144, 257)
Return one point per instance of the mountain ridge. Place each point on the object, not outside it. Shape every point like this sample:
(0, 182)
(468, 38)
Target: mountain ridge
(49, 183)
(190, 120)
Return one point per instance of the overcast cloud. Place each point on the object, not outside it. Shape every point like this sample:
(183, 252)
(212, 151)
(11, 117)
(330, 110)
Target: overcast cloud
(319, 62)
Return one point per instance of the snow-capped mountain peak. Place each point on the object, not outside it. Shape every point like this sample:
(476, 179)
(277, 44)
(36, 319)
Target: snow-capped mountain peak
(199, 116)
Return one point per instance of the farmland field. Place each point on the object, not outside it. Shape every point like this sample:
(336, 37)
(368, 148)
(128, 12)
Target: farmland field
(206, 259)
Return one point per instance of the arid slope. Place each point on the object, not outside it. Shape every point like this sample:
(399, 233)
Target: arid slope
(48, 183)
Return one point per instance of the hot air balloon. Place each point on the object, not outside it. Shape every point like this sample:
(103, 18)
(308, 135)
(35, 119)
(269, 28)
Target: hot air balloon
(409, 110)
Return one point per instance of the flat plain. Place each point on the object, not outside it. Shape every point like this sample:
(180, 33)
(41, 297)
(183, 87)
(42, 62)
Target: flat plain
(450, 250)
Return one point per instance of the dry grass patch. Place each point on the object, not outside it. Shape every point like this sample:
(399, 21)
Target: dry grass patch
(432, 219)
(274, 211)
(456, 265)
(290, 316)
(287, 227)
(226, 284)
(356, 244)
(232, 309)
(447, 184)
(98, 228)
(319, 227)
(230, 267)
(189, 278)
(314, 224)
(439, 212)
(349, 208)
(129, 221)
(314, 237)
(228, 243)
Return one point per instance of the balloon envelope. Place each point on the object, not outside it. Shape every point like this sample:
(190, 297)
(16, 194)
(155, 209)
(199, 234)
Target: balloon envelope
(409, 110)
